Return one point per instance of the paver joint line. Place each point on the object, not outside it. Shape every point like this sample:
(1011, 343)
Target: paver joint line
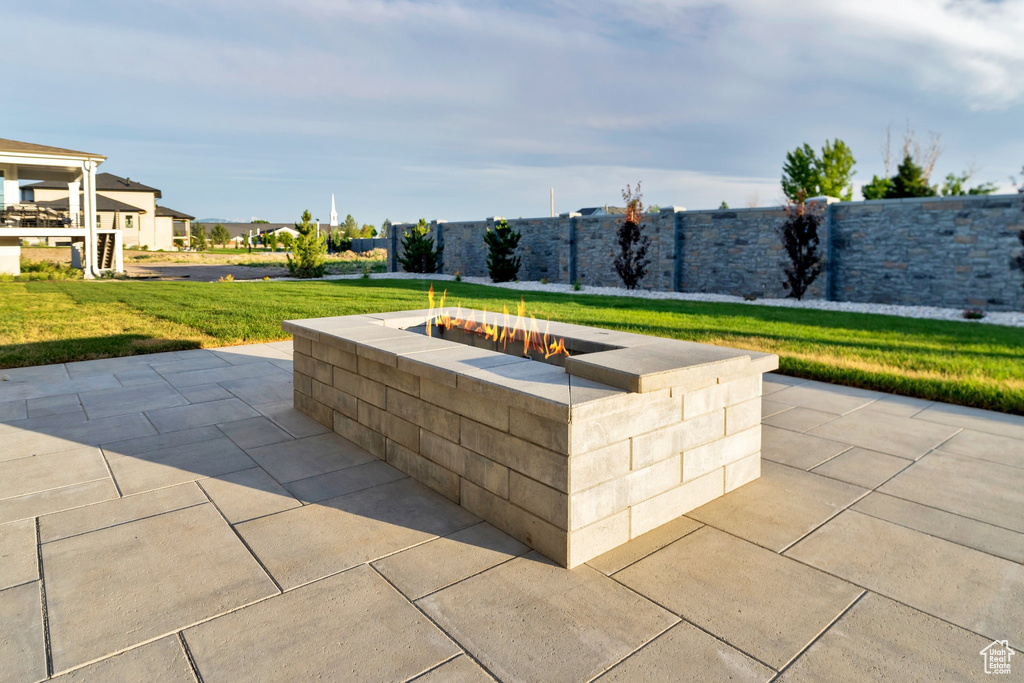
(426, 616)
(816, 638)
(188, 655)
(42, 602)
(239, 537)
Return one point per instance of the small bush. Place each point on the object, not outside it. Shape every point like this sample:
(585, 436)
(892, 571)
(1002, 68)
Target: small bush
(266, 278)
(543, 280)
(366, 272)
(799, 234)
(226, 278)
(419, 255)
(458, 276)
(502, 264)
(32, 271)
(632, 262)
(974, 314)
(578, 285)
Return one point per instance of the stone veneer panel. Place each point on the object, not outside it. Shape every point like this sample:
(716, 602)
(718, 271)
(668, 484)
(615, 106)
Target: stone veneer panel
(568, 466)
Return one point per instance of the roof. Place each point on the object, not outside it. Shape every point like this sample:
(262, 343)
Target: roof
(105, 182)
(600, 210)
(102, 204)
(17, 147)
(164, 211)
(239, 229)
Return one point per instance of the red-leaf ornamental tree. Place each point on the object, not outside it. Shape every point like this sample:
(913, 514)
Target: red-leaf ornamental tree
(631, 262)
(799, 234)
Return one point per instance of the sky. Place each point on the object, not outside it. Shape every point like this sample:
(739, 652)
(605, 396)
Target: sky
(461, 110)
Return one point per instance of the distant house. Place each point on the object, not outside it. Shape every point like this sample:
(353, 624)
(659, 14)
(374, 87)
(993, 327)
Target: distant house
(603, 211)
(238, 230)
(141, 223)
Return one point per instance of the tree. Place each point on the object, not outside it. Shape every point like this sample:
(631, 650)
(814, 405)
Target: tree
(350, 228)
(631, 262)
(339, 242)
(502, 263)
(807, 174)
(910, 181)
(258, 221)
(799, 233)
(367, 231)
(309, 250)
(723, 205)
(878, 188)
(835, 170)
(220, 234)
(653, 209)
(800, 173)
(419, 255)
(286, 241)
(198, 232)
(270, 239)
(385, 228)
(956, 185)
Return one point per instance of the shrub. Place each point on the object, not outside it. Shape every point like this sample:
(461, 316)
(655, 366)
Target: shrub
(502, 263)
(543, 280)
(419, 254)
(309, 250)
(974, 314)
(366, 272)
(578, 285)
(799, 233)
(226, 278)
(458, 276)
(43, 270)
(631, 262)
(1019, 258)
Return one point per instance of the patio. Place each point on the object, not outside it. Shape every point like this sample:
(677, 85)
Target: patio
(171, 517)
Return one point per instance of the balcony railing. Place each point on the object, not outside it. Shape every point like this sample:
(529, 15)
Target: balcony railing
(32, 216)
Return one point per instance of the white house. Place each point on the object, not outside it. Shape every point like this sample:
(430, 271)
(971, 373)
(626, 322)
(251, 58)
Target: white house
(100, 249)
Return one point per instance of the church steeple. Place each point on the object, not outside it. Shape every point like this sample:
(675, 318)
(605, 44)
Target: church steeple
(334, 213)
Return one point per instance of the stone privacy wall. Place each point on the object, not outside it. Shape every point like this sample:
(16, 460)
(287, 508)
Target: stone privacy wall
(948, 251)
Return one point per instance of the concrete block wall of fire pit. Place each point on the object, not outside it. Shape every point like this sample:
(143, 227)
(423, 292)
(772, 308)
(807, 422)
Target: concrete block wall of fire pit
(575, 460)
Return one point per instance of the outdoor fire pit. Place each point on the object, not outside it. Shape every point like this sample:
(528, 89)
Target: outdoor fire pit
(572, 439)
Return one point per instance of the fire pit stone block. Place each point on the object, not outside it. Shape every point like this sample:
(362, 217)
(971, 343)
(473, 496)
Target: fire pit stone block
(574, 461)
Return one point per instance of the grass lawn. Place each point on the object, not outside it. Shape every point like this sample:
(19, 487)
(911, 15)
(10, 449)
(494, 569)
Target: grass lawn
(969, 364)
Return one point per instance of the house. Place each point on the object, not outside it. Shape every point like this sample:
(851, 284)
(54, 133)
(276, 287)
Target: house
(603, 211)
(99, 249)
(176, 223)
(140, 224)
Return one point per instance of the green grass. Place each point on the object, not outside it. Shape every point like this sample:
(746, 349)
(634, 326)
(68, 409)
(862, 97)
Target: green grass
(969, 364)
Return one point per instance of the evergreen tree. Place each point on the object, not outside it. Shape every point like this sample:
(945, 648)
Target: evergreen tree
(878, 188)
(723, 205)
(910, 181)
(502, 263)
(309, 250)
(198, 231)
(220, 234)
(419, 255)
(350, 228)
(631, 263)
(385, 228)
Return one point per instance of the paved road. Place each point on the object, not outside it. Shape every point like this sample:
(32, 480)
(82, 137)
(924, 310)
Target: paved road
(201, 273)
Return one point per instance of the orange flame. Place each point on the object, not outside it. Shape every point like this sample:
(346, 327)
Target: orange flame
(504, 331)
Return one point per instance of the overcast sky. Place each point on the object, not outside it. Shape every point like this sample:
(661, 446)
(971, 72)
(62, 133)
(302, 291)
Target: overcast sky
(461, 110)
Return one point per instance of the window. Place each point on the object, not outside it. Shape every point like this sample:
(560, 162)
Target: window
(99, 222)
(128, 222)
(2, 183)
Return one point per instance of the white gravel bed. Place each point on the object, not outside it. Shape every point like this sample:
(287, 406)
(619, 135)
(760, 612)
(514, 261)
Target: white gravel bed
(1009, 319)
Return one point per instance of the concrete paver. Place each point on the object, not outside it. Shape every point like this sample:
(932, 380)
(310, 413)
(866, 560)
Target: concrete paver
(52, 470)
(967, 532)
(178, 464)
(966, 486)
(352, 626)
(780, 507)
(581, 622)
(308, 457)
(973, 590)
(54, 500)
(248, 494)
(892, 434)
(126, 400)
(115, 587)
(884, 640)
(705, 577)
(308, 543)
(861, 467)
(462, 669)
(443, 561)
(254, 432)
(685, 653)
(22, 643)
(191, 416)
(340, 482)
(796, 449)
(18, 561)
(161, 660)
(285, 416)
